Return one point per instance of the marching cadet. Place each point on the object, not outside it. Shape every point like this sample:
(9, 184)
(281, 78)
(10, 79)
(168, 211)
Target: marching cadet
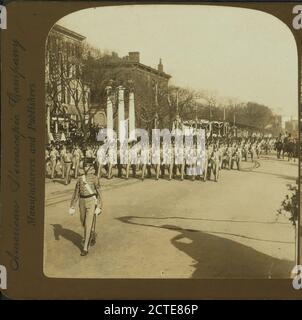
(89, 155)
(180, 166)
(119, 166)
(87, 191)
(110, 157)
(217, 161)
(77, 156)
(221, 150)
(239, 155)
(214, 163)
(157, 159)
(199, 164)
(192, 163)
(146, 161)
(253, 152)
(122, 158)
(266, 147)
(167, 160)
(226, 158)
(128, 159)
(245, 150)
(258, 149)
(236, 157)
(62, 152)
(67, 163)
(162, 159)
(171, 160)
(206, 160)
(53, 160)
(132, 160)
(101, 161)
(232, 152)
(207, 171)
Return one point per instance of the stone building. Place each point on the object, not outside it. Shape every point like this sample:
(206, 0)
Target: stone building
(144, 81)
(63, 47)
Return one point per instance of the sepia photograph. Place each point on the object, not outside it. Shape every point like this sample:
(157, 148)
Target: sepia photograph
(172, 144)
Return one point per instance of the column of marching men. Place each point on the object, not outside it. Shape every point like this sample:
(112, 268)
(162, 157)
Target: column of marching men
(64, 159)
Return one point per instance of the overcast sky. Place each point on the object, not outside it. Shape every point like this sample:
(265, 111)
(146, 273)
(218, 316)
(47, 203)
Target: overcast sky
(239, 53)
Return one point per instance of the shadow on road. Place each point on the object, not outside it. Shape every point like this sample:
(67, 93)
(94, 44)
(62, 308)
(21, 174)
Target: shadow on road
(216, 220)
(67, 234)
(217, 257)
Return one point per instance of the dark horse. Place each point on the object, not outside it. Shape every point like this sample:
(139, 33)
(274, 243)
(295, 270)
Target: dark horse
(288, 146)
(291, 149)
(279, 148)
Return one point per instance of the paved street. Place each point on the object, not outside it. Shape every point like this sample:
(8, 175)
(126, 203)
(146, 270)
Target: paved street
(174, 229)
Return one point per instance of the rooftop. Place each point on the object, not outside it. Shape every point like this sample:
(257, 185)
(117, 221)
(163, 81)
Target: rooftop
(68, 32)
(133, 60)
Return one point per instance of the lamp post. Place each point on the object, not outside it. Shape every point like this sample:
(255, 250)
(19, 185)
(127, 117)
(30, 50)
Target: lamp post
(156, 106)
(176, 123)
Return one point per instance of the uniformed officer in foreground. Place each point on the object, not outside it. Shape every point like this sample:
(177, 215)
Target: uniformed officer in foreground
(88, 192)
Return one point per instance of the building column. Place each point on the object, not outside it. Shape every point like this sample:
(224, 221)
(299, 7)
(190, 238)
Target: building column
(131, 116)
(109, 114)
(121, 114)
